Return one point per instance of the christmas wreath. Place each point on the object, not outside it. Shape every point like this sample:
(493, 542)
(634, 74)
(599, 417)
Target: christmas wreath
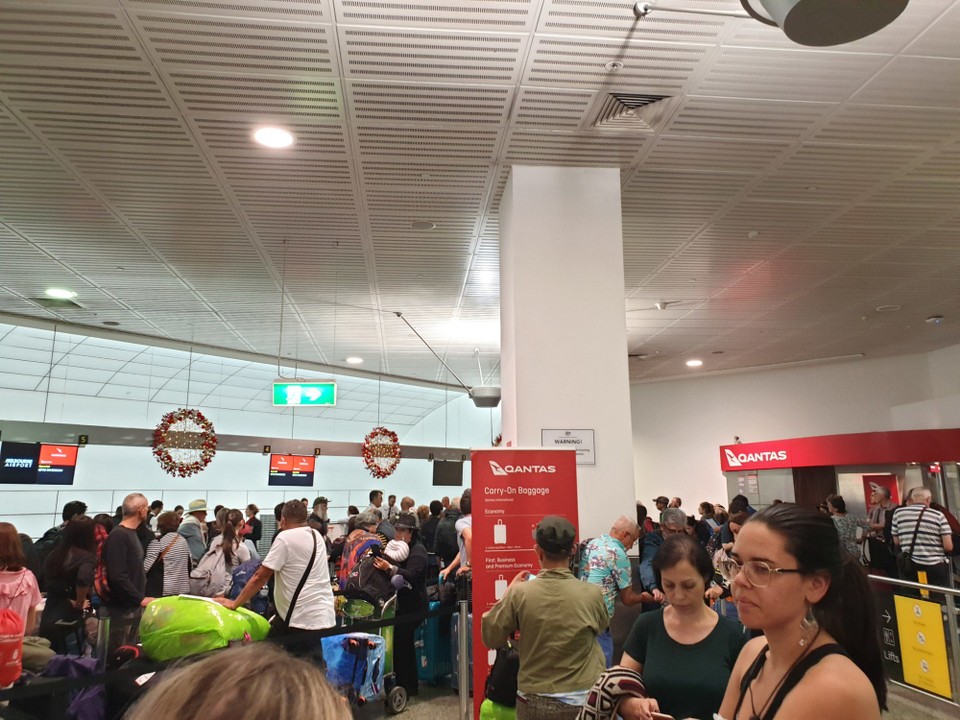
(381, 452)
(184, 442)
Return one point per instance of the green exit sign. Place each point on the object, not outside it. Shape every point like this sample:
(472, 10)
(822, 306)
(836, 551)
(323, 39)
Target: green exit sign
(305, 393)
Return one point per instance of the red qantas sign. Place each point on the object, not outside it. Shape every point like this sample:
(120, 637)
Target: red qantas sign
(856, 449)
(62, 455)
(292, 463)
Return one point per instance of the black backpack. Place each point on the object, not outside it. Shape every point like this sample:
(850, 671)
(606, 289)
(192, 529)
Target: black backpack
(445, 544)
(366, 582)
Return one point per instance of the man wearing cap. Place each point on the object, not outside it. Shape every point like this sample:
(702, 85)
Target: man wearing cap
(193, 528)
(556, 612)
(662, 503)
(409, 578)
(605, 563)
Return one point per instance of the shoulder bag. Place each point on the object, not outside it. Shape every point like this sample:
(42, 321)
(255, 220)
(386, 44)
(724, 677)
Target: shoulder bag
(905, 564)
(279, 625)
(155, 573)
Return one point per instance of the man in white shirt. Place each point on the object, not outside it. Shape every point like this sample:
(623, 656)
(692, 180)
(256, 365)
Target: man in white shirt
(288, 559)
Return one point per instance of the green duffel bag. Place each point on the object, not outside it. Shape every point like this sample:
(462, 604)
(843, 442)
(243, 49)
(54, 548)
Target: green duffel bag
(184, 625)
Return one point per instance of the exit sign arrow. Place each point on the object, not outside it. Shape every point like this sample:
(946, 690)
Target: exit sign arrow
(315, 393)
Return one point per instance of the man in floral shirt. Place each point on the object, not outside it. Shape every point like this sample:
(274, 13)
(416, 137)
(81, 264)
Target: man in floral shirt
(605, 563)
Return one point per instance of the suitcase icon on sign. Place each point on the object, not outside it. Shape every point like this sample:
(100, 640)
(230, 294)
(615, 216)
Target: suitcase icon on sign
(500, 533)
(499, 587)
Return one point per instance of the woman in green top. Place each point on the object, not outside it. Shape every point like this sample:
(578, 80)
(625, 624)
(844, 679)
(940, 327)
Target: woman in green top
(684, 651)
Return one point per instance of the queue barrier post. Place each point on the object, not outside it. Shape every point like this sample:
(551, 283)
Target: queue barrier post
(464, 597)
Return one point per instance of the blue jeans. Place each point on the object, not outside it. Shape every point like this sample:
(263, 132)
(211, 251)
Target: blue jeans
(606, 644)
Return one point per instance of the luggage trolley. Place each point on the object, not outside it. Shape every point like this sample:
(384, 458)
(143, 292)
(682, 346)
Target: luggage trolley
(360, 665)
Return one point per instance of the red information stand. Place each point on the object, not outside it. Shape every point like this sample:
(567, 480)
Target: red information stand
(512, 490)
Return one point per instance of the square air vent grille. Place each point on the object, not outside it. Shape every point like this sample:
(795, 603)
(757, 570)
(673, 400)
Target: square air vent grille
(631, 111)
(56, 304)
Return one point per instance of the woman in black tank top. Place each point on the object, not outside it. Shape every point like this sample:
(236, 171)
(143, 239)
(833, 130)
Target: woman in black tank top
(820, 654)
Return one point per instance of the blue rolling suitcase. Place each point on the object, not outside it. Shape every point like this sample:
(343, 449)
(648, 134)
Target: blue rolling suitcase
(454, 651)
(355, 666)
(432, 639)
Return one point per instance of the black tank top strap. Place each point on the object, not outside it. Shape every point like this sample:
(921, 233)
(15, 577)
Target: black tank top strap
(796, 675)
(748, 677)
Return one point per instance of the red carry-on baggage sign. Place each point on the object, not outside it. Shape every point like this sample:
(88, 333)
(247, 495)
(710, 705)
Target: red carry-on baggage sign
(512, 491)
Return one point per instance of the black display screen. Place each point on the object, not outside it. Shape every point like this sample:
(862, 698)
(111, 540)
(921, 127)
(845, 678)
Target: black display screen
(18, 462)
(448, 473)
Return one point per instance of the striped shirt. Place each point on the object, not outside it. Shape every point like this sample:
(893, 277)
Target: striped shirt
(928, 547)
(176, 563)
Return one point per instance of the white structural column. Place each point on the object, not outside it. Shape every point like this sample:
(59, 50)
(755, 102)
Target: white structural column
(563, 328)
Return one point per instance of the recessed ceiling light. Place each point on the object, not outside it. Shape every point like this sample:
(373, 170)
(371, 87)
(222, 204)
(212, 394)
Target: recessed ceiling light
(717, 352)
(614, 66)
(273, 137)
(694, 363)
(353, 360)
(423, 225)
(111, 323)
(61, 294)
(935, 319)
(888, 308)
(753, 234)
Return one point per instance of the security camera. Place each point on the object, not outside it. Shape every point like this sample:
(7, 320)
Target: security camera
(642, 9)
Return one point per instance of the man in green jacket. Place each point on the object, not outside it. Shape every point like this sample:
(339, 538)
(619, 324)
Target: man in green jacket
(559, 619)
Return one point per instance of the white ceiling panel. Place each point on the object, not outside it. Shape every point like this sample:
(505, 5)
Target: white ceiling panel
(779, 193)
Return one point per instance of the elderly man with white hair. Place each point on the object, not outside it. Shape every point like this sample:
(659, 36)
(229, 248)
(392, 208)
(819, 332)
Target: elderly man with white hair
(605, 563)
(923, 534)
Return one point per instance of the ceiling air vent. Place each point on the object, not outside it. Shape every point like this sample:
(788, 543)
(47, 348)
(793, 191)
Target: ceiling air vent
(56, 303)
(632, 111)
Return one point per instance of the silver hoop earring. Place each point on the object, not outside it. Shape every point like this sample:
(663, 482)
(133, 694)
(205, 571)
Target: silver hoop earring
(809, 627)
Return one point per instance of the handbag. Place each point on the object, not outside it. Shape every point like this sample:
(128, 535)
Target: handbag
(501, 686)
(905, 565)
(155, 573)
(279, 625)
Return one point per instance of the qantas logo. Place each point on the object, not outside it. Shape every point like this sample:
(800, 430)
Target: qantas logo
(739, 460)
(504, 470)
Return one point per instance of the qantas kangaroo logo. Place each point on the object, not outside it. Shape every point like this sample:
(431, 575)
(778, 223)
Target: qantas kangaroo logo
(754, 457)
(501, 471)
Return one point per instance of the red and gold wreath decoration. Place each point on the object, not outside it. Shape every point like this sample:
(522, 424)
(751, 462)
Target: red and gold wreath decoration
(381, 452)
(184, 442)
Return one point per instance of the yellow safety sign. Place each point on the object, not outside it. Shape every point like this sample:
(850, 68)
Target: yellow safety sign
(923, 647)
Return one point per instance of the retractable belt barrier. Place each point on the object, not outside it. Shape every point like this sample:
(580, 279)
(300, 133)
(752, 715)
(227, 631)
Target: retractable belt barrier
(57, 686)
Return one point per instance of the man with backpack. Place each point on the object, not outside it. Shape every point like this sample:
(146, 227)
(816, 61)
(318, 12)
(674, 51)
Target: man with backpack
(51, 538)
(445, 539)
(120, 580)
(303, 593)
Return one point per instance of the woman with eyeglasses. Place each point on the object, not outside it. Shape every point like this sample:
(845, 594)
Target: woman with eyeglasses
(685, 650)
(819, 656)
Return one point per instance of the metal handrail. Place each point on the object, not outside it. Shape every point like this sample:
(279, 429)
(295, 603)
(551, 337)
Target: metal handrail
(915, 585)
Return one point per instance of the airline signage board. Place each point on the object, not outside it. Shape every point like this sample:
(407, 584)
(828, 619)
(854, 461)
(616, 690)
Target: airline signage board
(855, 449)
(512, 490)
